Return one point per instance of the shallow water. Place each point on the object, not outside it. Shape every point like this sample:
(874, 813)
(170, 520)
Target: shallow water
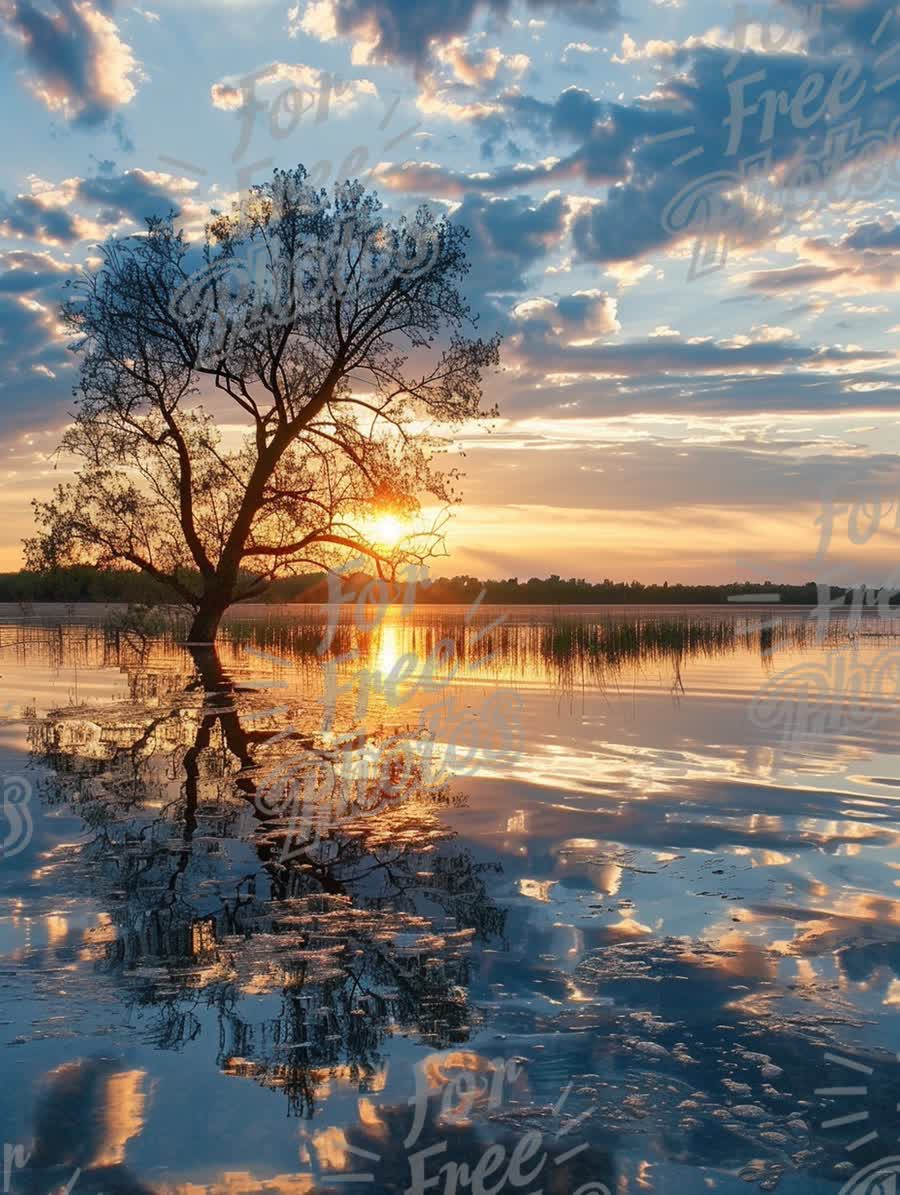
(616, 890)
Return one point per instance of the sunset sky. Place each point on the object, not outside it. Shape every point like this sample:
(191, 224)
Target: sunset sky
(661, 416)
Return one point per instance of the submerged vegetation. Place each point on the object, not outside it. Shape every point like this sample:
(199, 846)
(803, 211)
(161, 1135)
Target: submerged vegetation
(615, 640)
(560, 648)
(598, 648)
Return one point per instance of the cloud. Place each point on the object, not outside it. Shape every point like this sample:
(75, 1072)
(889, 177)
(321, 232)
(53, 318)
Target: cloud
(37, 218)
(35, 383)
(34, 355)
(865, 259)
(863, 24)
(758, 334)
(537, 385)
(607, 134)
(464, 74)
(135, 194)
(405, 30)
(22, 271)
(36, 380)
(684, 177)
(315, 88)
(430, 178)
(474, 66)
(579, 318)
(316, 18)
(579, 463)
(875, 235)
(49, 215)
(674, 161)
(578, 47)
(77, 63)
(632, 52)
(507, 236)
(665, 355)
(791, 278)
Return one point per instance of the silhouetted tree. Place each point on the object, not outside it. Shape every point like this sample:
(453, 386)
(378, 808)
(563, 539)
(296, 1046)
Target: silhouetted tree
(327, 329)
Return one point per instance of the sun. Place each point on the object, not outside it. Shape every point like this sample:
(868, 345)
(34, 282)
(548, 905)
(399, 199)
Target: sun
(387, 530)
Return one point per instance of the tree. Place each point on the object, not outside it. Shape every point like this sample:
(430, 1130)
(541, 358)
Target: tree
(328, 334)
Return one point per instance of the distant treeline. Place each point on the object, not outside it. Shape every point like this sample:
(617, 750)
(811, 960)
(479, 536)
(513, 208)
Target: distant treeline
(84, 584)
(81, 583)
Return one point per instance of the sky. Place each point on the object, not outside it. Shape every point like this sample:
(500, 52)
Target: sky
(683, 222)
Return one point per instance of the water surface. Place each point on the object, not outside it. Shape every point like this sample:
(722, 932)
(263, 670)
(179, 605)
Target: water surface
(625, 881)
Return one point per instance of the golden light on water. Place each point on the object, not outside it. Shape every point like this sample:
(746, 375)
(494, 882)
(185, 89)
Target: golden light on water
(389, 648)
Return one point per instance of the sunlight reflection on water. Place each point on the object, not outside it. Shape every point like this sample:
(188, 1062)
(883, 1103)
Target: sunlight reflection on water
(634, 886)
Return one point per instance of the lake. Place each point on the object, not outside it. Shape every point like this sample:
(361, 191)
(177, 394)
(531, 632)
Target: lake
(573, 900)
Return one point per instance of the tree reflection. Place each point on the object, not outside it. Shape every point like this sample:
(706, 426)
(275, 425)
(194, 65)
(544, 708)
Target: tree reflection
(306, 947)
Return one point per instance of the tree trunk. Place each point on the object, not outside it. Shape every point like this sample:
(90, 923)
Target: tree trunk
(207, 618)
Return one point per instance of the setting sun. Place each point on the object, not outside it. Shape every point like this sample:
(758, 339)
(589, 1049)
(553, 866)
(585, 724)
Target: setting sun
(388, 530)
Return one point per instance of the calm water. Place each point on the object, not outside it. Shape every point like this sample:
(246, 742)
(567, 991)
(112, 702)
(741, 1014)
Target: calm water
(615, 894)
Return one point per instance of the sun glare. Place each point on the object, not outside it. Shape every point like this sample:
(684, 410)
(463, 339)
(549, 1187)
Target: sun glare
(388, 530)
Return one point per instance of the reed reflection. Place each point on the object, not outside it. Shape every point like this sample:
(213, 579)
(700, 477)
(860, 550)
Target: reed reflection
(561, 649)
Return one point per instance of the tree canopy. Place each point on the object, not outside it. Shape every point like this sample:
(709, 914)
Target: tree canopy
(246, 407)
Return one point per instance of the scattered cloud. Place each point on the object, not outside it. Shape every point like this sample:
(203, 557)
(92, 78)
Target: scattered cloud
(42, 221)
(508, 236)
(303, 88)
(408, 30)
(23, 271)
(76, 61)
(581, 318)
